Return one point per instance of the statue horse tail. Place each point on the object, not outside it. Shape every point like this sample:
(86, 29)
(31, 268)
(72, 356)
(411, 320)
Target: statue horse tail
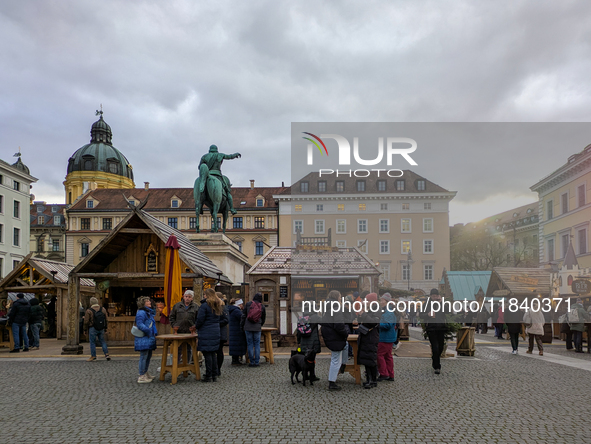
(203, 175)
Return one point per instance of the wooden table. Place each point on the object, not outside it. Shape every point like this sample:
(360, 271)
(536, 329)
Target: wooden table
(354, 369)
(172, 344)
(268, 343)
(10, 343)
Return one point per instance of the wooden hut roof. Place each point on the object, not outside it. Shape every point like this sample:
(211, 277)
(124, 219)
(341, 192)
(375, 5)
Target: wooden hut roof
(322, 262)
(129, 229)
(519, 281)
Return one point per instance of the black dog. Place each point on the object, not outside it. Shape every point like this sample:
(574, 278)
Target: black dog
(304, 364)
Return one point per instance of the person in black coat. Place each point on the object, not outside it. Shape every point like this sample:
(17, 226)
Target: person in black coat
(208, 328)
(513, 320)
(435, 322)
(367, 344)
(335, 335)
(18, 316)
(223, 331)
(237, 338)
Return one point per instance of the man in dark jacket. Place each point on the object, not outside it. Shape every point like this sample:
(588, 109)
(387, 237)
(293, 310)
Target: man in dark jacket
(183, 313)
(36, 321)
(253, 329)
(18, 317)
(435, 324)
(224, 320)
(335, 335)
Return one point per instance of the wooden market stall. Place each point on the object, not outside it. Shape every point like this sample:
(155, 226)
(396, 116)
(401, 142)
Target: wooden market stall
(129, 263)
(47, 280)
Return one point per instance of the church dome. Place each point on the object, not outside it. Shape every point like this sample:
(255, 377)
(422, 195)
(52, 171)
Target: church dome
(19, 165)
(100, 154)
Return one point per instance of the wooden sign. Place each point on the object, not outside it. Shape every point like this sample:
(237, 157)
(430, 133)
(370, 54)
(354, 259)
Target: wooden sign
(151, 259)
(525, 279)
(283, 291)
(499, 293)
(581, 286)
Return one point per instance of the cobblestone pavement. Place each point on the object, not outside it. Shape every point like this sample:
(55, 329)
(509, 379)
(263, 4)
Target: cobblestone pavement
(493, 398)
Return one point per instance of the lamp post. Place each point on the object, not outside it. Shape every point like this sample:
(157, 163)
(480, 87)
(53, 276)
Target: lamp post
(408, 261)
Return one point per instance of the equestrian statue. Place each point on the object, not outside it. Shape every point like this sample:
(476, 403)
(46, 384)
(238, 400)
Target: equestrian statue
(212, 189)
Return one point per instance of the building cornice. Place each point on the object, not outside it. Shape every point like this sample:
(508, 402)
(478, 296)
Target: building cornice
(373, 196)
(561, 175)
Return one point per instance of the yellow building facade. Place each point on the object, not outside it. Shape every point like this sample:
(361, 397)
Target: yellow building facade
(565, 211)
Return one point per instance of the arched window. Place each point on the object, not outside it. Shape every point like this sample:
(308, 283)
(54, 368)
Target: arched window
(88, 164)
(570, 280)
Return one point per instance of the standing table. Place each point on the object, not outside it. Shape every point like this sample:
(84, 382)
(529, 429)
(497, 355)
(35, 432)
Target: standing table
(354, 369)
(172, 344)
(268, 343)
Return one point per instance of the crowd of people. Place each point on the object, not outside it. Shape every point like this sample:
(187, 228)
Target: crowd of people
(27, 318)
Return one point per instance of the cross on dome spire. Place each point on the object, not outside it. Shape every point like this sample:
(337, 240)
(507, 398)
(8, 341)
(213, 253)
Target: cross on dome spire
(100, 112)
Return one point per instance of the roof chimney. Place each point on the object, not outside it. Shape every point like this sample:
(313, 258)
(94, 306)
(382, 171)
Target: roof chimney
(251, 183)
(282, 184)
(146, 185)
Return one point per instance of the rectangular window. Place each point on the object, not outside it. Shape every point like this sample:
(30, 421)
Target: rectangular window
(405, 246)
(550, 250)
(384, 207)
(384, 247)
(341, 207)
(57, 220)
(428, 246)
(319, 226)
(406, 206)
(298, 225)
(427, 206)
(15, 264)
(341, 244)
(174, 203)
(565, 239)
(84, 248)
(406, 272)
(428, 272)
(107, 223)
(304, 186)
(218, 220)
(237, 222)
(17, 209)
(362, 225)
(428, 225)
(55, 245)
(400, 185)
(259, 222)
(322, 186)
(421, 185)
(89, 204)
(385, 269)
(581, 195)
(40, 220)
(362, 245)
(239, 245)
(381, 185)
(564, 203)
(131, 202)
(582, 241)
(260, 202)
(16, 185)
(54, 209)
(16, 238)
(1, 205)
(85, 223)
(340, 186)
(405, 226)
(549, 210)
(361, 185)
(298, 208)
(258, 248)
(173, 222)
(384, 225)
(319, 207)
(362, 207)
(341, 226)
(192, 223)
(1, 236)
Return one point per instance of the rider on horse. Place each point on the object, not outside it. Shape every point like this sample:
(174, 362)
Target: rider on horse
(213, 160)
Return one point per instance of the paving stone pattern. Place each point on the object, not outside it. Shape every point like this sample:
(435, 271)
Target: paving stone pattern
(493, 398)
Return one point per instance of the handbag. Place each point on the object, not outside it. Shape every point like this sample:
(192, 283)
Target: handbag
(363, 330)
(137, 332)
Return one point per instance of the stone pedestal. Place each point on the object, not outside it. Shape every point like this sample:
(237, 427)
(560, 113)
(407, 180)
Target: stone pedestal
(72, 350)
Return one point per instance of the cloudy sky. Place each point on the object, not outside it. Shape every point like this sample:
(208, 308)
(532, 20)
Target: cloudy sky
(174, 77)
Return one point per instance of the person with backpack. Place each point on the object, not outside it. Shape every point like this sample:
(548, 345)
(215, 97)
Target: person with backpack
(576, 319)
(253, 318)
(95, 322)
(18, 316)
(534, 327)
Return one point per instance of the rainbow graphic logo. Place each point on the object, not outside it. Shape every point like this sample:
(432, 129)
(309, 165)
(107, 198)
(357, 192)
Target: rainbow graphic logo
(314, 142)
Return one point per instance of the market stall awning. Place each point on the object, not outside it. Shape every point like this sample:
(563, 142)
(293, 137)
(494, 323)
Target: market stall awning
(513, 281)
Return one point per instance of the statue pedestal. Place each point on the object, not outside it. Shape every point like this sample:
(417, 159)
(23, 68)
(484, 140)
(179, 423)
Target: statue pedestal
(222, 252)
(72, 350)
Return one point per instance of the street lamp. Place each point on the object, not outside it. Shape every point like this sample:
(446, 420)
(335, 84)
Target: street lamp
(408, 261)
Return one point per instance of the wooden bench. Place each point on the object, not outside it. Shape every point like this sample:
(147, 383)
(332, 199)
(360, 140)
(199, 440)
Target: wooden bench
(173, 344)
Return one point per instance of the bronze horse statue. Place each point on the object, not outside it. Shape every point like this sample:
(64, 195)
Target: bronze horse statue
(213, 197)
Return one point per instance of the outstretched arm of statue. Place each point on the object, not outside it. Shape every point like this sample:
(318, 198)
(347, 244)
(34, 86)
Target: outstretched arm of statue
(232, 156)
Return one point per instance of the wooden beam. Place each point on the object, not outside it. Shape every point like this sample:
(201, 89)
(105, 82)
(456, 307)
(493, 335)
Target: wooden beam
(133, 275)
(23, 283)
(136, 230)
(33, 288)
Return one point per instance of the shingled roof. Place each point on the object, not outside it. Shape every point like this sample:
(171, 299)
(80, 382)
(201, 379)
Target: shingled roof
(519, 281)
(324, 262)
(117, 241)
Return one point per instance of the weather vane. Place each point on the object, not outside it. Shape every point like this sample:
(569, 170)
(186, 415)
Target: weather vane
(100, 112)
(19, 153)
